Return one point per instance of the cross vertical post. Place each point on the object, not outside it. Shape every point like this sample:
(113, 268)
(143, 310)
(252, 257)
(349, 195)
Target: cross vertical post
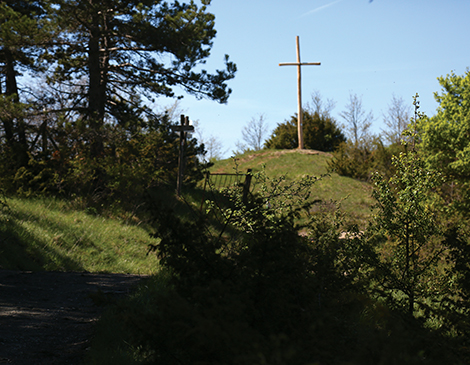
(299, 91)
(183, 128)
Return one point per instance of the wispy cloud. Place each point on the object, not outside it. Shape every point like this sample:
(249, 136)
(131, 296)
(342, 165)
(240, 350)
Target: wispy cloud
(320, 8)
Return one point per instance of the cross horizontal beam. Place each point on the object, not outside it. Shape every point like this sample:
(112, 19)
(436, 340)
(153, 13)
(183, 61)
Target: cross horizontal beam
(300, 64)
(182, 128)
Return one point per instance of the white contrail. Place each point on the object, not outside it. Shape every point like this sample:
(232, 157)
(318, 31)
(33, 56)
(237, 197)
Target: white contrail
(321, 8)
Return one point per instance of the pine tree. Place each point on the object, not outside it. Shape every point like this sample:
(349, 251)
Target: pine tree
(22, 35)
(123, 52)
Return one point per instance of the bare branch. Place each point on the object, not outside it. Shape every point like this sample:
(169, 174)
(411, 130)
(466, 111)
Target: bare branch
(396, 119)
(358, 121)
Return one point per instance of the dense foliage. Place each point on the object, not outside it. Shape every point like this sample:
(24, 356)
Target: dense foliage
(255, 291)
(84, 127)
(320, 133)
(364, 153)
(250, 289)
(129, 166)
(407, 230)
(361, 161)
(445, 138)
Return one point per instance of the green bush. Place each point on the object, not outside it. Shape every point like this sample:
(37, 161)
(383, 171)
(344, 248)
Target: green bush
(130, 165)
(320, 133)
(362, 160)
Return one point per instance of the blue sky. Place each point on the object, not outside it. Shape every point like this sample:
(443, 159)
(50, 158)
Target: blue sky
(374, 49)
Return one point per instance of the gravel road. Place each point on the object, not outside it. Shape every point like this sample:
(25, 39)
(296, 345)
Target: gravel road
(48, 317)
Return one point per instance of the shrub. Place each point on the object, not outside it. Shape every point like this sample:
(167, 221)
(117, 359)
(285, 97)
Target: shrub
(264, 294)
(320, 133)
(362, 160)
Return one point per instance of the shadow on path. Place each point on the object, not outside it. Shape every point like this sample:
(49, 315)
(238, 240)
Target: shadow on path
(48, 317)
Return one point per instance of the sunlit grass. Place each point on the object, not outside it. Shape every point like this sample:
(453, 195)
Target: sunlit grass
(45, 234)
(354, 195)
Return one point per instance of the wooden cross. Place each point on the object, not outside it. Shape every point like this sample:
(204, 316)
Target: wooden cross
(299, 90)
(183, 128)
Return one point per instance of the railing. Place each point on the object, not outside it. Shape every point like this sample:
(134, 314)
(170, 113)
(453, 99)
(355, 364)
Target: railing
(217, 181)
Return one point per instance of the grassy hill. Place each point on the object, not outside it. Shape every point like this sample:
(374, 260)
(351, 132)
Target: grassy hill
(355, 195)
(50, 234)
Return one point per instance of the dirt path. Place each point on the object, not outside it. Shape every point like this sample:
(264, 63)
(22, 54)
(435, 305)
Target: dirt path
(48, 317)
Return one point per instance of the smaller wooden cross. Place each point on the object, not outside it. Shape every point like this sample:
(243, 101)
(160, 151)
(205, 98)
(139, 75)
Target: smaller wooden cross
(183, 129)
(299, 91)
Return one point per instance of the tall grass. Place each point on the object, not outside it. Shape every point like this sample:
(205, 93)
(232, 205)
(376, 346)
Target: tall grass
(46, 234)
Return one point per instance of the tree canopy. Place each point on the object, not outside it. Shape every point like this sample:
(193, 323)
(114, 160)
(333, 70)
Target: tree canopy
(445, 137)
(122, 52)
(95, 68)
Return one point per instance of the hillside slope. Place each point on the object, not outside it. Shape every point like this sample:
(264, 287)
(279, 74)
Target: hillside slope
(47, 234)
(355, 196)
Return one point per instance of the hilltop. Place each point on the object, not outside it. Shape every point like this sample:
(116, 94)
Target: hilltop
(355, 195)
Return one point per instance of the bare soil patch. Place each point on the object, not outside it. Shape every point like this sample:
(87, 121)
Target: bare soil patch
(48, 317)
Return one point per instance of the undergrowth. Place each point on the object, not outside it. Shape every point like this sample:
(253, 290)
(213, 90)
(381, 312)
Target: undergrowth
(260, 293)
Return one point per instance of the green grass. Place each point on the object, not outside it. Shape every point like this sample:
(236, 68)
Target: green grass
(46, 234)
(355, 195)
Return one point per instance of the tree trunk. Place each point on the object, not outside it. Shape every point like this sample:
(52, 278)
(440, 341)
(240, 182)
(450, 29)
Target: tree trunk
(97, 65)
(15, 135)
(11, 88)
(409, 270)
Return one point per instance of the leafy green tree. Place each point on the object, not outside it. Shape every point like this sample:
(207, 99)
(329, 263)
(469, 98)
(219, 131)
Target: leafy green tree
(320, 133)
(284, 136)
(409, 250)
(445, 138)
(119, 51)
(407, 221)
(110, 59)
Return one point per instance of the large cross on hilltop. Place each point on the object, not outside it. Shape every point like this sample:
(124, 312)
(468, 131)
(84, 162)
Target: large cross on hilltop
(299, 90)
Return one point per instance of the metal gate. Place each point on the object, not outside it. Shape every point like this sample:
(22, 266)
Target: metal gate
(217, 181)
